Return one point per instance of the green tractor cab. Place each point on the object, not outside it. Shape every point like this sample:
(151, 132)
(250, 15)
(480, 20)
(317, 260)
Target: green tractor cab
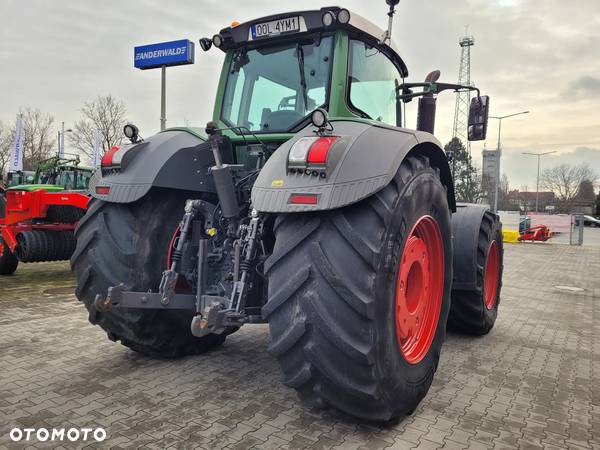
(56, 174)
(305, 203)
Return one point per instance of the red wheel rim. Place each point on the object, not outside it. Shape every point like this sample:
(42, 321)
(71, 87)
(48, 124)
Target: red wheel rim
(419, 289)
(492, 278)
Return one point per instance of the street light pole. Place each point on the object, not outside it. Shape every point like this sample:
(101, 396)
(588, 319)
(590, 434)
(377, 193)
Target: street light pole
(163, 98)
(537, 183)
(499, 150)
(61, 140)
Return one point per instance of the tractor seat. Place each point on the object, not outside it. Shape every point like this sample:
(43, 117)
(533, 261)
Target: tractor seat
(278, 120)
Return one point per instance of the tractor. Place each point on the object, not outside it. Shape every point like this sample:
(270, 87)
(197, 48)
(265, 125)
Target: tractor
(305, 204)
(38, 217)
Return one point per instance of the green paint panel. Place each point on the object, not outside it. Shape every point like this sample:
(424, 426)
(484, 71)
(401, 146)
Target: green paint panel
(37, 187)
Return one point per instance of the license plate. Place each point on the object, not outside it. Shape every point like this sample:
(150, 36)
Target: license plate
(275, 27)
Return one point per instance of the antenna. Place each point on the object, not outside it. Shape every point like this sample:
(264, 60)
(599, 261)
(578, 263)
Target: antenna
(387, 36)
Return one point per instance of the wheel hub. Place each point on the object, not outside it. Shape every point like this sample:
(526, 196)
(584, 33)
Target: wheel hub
(419, 289)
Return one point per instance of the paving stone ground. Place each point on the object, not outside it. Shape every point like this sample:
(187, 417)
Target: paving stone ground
(533, 382)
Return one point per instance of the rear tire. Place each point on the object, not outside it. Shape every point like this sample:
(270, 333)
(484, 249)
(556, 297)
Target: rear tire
(333, 307)
(8, 261)
(475, 311)
(128, 243)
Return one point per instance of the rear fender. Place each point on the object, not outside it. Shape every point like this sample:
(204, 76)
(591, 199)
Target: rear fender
(466, 222)
(363, 161)
(174, 159)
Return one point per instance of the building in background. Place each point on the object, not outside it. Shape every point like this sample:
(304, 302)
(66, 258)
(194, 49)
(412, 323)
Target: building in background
(490, 173)
(525, 201)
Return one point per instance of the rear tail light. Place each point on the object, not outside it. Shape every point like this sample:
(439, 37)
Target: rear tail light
(317, 154)
(107, 159)
(310, 151)
(304, 199)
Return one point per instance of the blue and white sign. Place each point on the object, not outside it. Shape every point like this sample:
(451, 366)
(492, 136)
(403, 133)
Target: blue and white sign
(16, 157)
(174, 53)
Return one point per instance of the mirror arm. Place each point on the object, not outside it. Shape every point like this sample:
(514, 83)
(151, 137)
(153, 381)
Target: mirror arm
(430, 88)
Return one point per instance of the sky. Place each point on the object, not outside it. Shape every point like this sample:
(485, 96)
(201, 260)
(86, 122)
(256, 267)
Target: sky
(536, 55)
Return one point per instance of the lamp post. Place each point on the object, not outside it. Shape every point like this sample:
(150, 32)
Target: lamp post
(499, 149)
(61, 140)
(537, 183)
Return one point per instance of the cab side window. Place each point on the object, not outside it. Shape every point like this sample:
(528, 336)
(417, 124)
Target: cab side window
(372, 83)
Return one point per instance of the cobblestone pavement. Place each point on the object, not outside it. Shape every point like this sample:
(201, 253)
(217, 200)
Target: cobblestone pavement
(533, 382)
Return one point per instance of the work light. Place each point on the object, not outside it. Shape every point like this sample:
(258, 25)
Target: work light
(328, 19)
(344, 16)
(131, 132)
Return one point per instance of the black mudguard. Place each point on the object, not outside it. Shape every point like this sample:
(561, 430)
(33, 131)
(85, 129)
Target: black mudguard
(174, 159)
(466, 222)
(361, 162)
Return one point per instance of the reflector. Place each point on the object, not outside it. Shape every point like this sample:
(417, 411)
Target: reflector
(103, 190)
(304, 199)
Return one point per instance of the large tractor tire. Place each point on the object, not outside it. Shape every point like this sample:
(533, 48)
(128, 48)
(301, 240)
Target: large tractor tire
(475, 308)
(359, 297)
(129, 243)
(8, 261)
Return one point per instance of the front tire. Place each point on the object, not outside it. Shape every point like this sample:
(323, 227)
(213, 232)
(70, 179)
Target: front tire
(128, 243)
(336, 312)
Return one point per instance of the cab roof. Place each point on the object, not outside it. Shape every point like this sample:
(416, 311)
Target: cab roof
(311, 21)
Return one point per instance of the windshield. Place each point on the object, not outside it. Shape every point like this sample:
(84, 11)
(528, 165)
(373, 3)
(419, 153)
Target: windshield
(271, 89)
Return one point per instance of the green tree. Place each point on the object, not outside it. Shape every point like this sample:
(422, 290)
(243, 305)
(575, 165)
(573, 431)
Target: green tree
(467, 180)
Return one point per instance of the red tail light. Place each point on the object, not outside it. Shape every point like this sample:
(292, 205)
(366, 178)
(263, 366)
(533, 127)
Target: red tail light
(317, 154)
(304, 199)
(107, 159)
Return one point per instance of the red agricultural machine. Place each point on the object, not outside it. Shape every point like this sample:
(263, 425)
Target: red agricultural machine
(540, 234)
(37, 220)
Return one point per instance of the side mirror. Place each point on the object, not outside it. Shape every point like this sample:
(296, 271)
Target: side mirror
(478, 118)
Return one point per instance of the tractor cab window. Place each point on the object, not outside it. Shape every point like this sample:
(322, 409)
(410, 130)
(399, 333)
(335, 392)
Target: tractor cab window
(66, 179)
(83, 180)
(372, 79)
(272, 89)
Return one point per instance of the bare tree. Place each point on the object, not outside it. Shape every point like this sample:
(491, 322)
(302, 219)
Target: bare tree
(6, 139)
(105, 114)
(564, 180)
(38, 137)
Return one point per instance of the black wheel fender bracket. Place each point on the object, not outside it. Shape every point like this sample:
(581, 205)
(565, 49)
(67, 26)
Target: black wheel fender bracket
(171, 159)
(364, 161)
